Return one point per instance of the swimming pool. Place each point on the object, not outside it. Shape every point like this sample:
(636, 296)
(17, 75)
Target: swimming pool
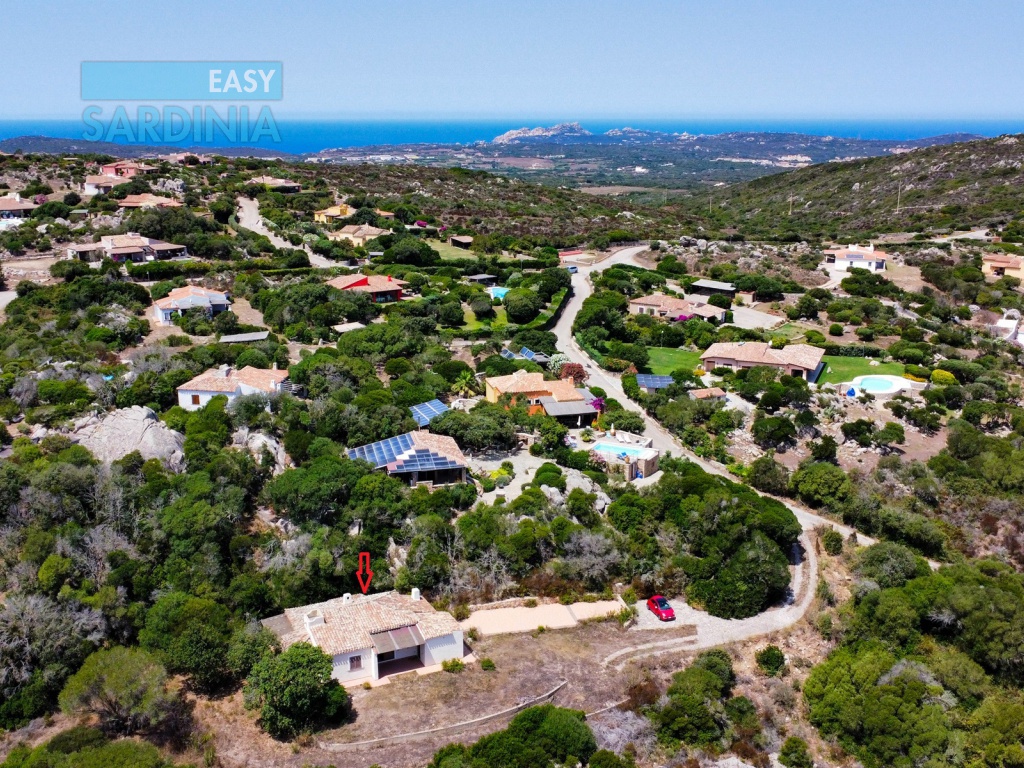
(498, 292)
(618, 448)
(881, 384)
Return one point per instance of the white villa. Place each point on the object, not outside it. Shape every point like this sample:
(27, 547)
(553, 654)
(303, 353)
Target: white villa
(856, 256)
(371, 636)
(195, 394)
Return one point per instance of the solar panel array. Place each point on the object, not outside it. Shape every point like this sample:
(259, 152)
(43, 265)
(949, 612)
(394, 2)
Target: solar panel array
(383, 453)
(401, 452)
(647, 381)
(527, 353)
(426, 412)
(508, 354)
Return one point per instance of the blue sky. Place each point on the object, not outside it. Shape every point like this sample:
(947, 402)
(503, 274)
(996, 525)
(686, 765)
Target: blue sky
(855, 59)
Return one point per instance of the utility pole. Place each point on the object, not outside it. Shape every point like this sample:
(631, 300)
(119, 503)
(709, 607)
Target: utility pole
(899, 192)
(791, 206)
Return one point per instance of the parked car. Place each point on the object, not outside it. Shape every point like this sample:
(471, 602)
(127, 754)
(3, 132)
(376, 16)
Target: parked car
(659, 606)
(572, 270)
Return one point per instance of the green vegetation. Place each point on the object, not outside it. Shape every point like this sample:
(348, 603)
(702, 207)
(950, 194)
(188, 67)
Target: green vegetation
(664, 361)
(844, 369)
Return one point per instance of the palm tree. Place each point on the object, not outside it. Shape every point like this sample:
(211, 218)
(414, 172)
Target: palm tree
(465, 385)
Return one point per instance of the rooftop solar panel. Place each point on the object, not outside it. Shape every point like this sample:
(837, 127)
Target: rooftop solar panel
(527, 353)
(508, 354)
(426, 412)
(649, 381)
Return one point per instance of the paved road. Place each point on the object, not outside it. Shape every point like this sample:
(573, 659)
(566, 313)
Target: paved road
(662, 439)
(250, 218)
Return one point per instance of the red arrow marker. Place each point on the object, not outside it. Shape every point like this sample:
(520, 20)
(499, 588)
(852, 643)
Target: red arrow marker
(364, 568)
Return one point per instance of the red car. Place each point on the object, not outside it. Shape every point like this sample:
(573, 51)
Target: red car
(659, 606)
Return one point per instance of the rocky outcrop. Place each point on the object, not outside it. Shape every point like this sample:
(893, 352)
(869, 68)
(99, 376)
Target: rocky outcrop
(114, 435)
(257, 442)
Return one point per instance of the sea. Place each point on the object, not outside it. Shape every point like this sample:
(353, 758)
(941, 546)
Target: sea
(308, 136)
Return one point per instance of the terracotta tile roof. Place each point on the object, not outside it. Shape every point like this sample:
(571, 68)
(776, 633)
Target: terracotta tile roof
(855, 253)
(186, 297)
(14, 204)
(760, 353)
(704, 394)
(340, 211)
(366, 283)
(148, 200)
(219, 380)
(351, 626)
(526, 382)
(102, 180)
(663, 301)
(362, 230)
(1002, 260)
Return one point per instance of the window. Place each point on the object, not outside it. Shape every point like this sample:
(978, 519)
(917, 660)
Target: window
(354, 663)
(195, 399)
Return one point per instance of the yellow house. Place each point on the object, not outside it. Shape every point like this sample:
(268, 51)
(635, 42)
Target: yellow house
(329, 215)
(1002, 265)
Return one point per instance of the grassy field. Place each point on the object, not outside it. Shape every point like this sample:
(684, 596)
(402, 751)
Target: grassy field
(473, 324)
(664, 360)
(842, 369)
(450, 251)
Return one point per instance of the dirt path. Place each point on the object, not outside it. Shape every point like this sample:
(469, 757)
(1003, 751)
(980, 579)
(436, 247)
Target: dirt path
(249, 217)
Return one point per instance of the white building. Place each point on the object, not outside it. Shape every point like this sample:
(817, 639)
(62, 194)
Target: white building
(181, 300)
(855, 256)
(195, 394)
(371, 636)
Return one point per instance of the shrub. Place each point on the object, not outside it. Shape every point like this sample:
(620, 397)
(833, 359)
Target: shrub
(836, 329)
(461, 612)
(487, 665)
(794, 754)
(770, 660)
(454, 666)
(943, 378)
(832, 541)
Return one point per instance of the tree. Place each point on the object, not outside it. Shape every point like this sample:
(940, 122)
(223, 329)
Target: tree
(295, 692)
(125, 687)
(820, 483)
(889, 435)
(766, 474)
(773, 431)
(573, 371)
(522, 305)
(824, 449)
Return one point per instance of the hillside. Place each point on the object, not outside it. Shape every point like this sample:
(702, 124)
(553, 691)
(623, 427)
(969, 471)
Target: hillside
(955, 186)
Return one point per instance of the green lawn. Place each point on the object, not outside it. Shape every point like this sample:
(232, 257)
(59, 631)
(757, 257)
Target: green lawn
(664, 360)
(472, 324)
(841, 369)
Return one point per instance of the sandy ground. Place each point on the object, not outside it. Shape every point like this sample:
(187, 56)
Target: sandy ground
(498, 621)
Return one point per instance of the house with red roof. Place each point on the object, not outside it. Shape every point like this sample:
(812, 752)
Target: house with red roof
(382, 288)
(232, 383)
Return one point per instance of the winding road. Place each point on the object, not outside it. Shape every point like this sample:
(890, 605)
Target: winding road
(249, 218)
(663, 439)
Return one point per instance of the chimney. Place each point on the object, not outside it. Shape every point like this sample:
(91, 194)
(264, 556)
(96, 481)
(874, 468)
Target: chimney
(314, 619)
(346, 599)
(415, 593)
(224, 371)
(274, 368)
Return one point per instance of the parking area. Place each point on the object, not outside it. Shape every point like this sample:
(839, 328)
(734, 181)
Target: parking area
(750, 319)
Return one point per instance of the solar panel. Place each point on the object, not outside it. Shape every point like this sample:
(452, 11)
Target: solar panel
(508, 354)
(384, 452)
(426, 412)
(648, 381)
(402, 455)
(527, 353)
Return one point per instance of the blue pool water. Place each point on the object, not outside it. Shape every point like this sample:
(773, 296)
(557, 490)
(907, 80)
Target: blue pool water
(875, 384)
(498, 292)
(617, 448)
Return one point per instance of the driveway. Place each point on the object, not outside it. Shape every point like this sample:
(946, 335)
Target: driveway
(752, 319)
(250, 218)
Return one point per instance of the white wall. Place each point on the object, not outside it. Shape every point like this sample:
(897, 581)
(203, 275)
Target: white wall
(442, 648)
(343, 672)
(185, 398)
